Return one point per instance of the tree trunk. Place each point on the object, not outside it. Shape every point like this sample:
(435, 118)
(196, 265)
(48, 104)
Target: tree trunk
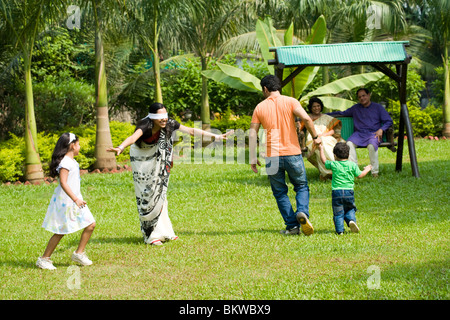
(205, 113)
(33, 170)
(156, 68)
(104, 159)
(157, 74)
(446, 106)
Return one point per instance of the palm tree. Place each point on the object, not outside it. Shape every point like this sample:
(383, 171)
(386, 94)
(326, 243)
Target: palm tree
(367, 20)
(437, 14)
(429, 34)
(203, 25)
(23, 21)
(102, 12)
(147, 18)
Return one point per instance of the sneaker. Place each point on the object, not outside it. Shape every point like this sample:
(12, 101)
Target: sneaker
(45, 263)
(307, 227)
(156, 242)
(81, 258)
(353, 227)
(292, 231)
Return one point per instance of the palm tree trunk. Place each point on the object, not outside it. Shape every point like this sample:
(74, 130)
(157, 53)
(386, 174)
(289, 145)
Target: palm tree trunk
(33, 171)
(157, 74)
(446, 106)
(205, 113)
(156, 67)
(104, 159)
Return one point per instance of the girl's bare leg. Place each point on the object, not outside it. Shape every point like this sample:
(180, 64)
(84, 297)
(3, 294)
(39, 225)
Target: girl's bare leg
(52, 243)
(85, 236)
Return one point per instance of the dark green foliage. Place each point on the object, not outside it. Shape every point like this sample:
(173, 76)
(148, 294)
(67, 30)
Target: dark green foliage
(12, 151)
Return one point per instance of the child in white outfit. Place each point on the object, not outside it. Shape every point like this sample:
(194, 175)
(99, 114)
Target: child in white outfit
(67, 211)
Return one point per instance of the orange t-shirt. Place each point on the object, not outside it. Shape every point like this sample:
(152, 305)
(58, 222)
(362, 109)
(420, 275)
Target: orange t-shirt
(276, 115)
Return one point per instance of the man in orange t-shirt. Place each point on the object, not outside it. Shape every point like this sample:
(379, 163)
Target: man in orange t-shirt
(277, 115)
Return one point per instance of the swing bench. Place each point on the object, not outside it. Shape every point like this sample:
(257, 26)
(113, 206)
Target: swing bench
(376, 54)
(388, 136)
(347, 130)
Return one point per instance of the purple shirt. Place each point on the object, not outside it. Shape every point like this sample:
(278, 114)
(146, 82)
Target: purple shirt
(366, 121)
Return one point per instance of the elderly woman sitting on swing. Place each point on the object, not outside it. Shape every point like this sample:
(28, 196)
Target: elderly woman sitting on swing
(329, 131)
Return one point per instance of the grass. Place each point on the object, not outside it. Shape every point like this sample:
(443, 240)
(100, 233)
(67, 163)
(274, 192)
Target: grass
(229, 246)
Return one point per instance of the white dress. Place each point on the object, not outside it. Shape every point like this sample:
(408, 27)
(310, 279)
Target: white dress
(63, 215)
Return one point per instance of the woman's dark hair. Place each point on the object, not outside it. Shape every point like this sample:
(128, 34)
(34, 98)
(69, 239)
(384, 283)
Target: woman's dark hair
(61, 148)
(154, 107)
(271, 82)
(341, 150)
(311, 101)
(146, 124)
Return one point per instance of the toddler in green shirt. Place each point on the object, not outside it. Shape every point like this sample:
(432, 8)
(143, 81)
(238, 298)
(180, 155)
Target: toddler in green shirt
(342, 183)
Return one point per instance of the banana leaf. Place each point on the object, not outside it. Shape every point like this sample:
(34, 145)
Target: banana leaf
(234, 77)
(267, 38)
(176, 60)
(336, 103)
(247, 78)
(295, 87)
(344, 84)
(289, 35)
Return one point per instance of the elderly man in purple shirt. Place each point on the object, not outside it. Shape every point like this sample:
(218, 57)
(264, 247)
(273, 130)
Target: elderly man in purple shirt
(370, 120)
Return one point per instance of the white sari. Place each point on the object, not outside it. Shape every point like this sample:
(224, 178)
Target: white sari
(151, 164)
(322, 125)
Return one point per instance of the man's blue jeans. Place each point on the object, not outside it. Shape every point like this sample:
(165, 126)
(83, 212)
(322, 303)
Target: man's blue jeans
(276, 168)
(344, 209)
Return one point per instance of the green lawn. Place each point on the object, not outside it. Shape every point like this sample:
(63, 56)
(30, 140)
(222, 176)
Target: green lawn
(230, 246)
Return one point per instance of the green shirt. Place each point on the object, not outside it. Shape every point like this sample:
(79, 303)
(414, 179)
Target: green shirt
(344, 173)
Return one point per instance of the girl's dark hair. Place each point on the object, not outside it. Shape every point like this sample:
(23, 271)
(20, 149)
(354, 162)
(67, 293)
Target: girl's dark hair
(61, 148)
(341, 150)
(312, 100)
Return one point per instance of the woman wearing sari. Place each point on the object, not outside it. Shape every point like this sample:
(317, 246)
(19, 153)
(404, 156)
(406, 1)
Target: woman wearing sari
(329, 131)
(151, 161)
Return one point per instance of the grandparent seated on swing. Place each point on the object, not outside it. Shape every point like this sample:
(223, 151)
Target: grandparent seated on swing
(370, 120)
(329, 130)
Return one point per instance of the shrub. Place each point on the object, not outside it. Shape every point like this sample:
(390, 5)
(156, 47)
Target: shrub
(421, 121)
(63, 101)
(438, 119)
(119, 132)
(386, 88)
(12, 157)
(12, 151)
(228, 122)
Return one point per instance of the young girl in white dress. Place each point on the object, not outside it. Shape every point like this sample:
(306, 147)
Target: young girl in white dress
(67, 212)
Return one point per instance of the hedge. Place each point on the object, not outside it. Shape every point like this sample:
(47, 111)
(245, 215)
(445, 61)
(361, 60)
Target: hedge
(12, 151)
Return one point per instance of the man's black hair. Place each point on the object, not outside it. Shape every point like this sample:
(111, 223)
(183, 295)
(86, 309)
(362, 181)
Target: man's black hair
(271, 82)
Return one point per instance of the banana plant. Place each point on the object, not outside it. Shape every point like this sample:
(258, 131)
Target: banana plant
(267, 37)
(325, 92)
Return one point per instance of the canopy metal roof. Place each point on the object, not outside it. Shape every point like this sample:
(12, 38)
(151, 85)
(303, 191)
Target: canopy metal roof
(341, 53)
